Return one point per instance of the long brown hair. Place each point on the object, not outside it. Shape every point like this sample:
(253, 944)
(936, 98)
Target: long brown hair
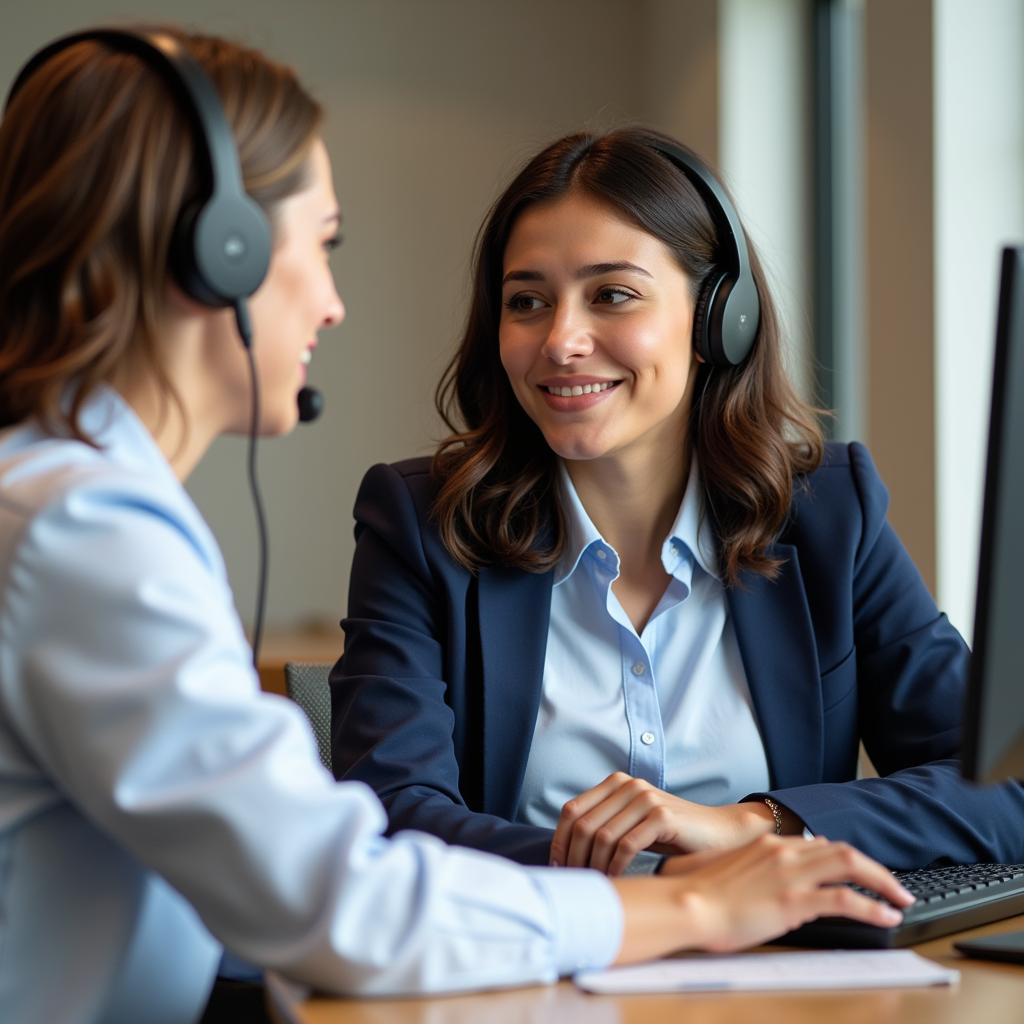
(752, 435)
(97, 161)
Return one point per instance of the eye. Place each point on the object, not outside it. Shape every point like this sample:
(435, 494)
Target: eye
(332, 243)
(523, 302)
(610, 295)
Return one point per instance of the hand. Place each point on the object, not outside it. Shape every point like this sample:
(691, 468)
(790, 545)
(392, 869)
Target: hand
(726, 900)
(605, 827)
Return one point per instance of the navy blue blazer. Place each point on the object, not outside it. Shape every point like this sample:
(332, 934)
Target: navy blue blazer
(435, 698)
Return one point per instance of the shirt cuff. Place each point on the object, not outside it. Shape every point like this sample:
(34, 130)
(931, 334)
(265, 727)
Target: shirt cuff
(586, 915)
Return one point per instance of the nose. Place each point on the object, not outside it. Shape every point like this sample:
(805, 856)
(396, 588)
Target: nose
(334, 312)
(568, 336)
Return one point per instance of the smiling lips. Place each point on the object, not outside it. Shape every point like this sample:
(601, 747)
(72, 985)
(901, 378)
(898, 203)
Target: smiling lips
(565, 397)
(305, 359)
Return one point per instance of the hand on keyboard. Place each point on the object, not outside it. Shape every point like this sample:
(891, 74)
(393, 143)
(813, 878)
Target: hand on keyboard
(946, 899)
(747, 895)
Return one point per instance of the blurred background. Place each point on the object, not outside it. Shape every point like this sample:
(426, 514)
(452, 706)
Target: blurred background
(875, 149)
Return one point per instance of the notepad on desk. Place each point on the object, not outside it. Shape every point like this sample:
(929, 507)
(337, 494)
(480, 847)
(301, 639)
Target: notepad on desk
(830, 969)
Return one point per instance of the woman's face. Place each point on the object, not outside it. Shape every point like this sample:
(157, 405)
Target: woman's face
(298, 296)
(595, 332)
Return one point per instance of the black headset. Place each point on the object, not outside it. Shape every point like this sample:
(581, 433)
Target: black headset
(222, 242)
(727, 311)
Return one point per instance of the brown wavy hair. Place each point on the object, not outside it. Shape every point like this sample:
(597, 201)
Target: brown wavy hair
(97, 161)
(752, 435)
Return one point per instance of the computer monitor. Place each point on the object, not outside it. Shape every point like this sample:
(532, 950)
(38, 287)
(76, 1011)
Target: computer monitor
(993, 742)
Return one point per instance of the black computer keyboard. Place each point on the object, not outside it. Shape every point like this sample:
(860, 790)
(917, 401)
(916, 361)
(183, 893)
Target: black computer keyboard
(949, 899)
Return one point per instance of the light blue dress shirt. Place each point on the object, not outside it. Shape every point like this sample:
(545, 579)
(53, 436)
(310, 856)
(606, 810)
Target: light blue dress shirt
(670, 705)
(154, 804)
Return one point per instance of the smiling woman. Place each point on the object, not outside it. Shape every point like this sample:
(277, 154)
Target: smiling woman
(595, 350)
(634, 606)
(297, 299)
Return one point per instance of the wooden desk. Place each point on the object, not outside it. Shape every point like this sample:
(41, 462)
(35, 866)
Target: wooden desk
(280, 646)
(988, 993)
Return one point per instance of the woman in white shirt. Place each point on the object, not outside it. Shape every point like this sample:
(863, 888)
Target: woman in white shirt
(153, 804)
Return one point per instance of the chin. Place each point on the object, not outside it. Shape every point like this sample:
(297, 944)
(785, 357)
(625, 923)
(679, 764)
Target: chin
(576, 449)
(279, 424)
(273, 423)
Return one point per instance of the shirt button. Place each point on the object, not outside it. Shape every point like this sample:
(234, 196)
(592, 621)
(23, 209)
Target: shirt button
(601, 553)
(639, 668)
(647, 738)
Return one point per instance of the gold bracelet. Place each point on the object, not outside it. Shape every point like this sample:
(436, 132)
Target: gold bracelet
(776, 814)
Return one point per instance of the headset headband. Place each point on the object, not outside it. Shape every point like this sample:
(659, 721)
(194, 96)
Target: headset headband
(222, 247)
(728, 311)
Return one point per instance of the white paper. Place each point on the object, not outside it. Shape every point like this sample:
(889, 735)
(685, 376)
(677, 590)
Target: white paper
(888, 968)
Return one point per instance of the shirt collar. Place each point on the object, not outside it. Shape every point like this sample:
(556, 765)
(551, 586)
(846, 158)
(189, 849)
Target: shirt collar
(690, 535)
(113, 424)
(581, 533)
(692, 529)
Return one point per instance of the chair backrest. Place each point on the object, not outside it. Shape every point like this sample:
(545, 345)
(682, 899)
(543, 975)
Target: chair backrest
(306, 684)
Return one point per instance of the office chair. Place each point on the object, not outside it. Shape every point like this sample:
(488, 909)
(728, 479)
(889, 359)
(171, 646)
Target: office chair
(306, 684)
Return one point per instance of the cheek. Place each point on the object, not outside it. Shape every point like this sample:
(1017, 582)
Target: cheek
(664, 350)
(516, 362)
(513, 358)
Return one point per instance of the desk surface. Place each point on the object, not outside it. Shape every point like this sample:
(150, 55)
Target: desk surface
(281, 646)
(988, 993)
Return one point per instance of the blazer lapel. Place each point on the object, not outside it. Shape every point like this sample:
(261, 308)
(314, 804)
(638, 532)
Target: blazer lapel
(776, 642)
(515, 608)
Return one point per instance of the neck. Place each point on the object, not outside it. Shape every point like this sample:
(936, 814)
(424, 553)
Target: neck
(182, 441)
(183, 428)
(634, 500)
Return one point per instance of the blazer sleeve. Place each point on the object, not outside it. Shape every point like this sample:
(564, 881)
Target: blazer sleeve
(394, 713)
(911, 671)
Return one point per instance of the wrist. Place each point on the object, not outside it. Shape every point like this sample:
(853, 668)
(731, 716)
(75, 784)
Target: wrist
(769, 817)
(758, 819)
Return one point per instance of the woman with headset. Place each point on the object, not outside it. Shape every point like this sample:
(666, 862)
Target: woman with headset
(635, 606)
(162, 194)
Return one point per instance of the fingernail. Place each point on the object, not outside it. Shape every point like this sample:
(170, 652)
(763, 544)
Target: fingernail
(892, 915)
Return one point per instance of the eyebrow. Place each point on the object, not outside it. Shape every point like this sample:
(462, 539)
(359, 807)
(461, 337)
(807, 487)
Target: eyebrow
(333, 218)
(590, 270)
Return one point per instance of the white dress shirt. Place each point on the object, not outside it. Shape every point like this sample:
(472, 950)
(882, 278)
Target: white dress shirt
(154, 804)
(670, 705)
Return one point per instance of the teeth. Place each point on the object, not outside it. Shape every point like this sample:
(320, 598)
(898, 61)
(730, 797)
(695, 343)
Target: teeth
(306, 357)
(580, 389)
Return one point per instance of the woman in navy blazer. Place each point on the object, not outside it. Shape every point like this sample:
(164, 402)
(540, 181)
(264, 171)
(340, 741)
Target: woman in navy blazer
(600, 257)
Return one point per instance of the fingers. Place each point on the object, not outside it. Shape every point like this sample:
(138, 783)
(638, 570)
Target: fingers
(614, 858)
(841, 901)
(596, 833)
(840, 862)
(605, 827)
(728, 900)
(805, 880)
(568, 837)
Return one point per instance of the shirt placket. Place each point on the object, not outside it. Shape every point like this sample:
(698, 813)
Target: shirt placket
(640, 695)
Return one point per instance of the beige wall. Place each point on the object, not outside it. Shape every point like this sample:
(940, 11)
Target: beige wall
(899, 272)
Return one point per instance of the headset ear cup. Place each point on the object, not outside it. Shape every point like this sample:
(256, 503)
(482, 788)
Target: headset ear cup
(183, 262)
(221, 250)
(702, 321)
(231, 242)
